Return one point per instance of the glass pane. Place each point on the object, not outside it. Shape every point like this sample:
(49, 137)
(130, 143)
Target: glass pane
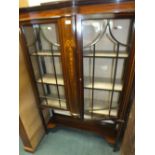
(103, 73)
(30, 38)
(46, 68)
(39, 39)
(101, 103)
(49, 34)
(35, 65)
(44, 49)
(41, 89)
(115, 104)
(120, 29)
(97, 32)
(51, 96)
(105, 51)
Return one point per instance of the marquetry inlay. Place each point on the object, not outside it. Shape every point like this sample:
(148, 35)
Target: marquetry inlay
(69, 47)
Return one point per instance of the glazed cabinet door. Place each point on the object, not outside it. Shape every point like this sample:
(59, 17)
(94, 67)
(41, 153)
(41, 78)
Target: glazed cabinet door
(43, 42)
(105, 43)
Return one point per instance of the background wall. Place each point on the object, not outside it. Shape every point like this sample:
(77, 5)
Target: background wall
(26, 3)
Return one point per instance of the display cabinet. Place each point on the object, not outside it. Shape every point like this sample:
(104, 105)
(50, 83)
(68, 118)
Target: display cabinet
(81, 60)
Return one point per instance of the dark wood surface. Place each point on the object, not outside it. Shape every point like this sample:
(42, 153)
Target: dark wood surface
(78, 32)
(68, 3)
(107, 131)
(128, 81)
(128, 91)
(128, 6)
(69, 55)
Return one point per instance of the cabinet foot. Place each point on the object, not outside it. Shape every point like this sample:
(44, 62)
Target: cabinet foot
(51, 125)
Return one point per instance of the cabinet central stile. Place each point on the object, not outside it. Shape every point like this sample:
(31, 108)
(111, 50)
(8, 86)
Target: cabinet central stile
(69, 55)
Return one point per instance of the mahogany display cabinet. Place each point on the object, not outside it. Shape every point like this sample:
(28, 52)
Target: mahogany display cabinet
(81, 60)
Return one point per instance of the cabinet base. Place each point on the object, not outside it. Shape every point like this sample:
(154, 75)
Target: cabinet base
(107, 131)
(51, 125)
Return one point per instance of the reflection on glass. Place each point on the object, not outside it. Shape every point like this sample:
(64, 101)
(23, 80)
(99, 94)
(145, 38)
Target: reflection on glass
(101, 102)
(105, 51)
(52, 97)
(41, 39)
(97, 32)
(44, 49)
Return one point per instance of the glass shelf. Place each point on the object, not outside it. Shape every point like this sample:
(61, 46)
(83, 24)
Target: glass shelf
(107, 54)
(54, 103)
(46, 53)
(62, 98)
(99, 104)
(50, 79)
(103, 84)
(113, 112)
(100, 113)
(62, 112)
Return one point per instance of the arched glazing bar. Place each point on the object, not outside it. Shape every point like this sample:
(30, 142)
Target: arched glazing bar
(53, 62)
(35, 27)
(98, 37)
(50, 42)
(111, 34)
(102, 33)
(117, 44)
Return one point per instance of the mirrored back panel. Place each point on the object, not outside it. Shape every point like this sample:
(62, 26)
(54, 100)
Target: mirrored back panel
(105, 53)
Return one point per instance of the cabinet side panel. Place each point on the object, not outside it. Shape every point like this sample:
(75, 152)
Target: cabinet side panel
(28, 110)
(128, 145)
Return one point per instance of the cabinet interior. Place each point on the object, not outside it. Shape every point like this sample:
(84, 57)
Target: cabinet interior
(105, 53)
(44, 49)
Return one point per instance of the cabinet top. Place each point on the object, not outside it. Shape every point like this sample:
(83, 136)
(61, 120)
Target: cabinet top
(57, 4)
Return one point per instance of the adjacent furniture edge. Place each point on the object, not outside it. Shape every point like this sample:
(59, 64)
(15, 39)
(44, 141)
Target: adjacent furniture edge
(31, 132)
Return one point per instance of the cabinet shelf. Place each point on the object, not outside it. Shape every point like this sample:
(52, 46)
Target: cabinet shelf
(54, 103)
(50, 79)
(62, 112)
(106, 54)
(46, 53)
(103, 84)
(97, 114)
(98, 104)
(113, 112)
(62, 98)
